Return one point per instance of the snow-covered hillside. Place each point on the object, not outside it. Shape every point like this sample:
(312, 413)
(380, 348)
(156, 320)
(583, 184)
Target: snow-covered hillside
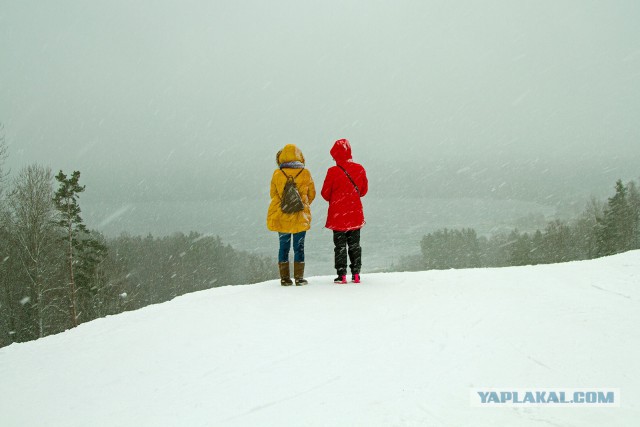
(397, 350)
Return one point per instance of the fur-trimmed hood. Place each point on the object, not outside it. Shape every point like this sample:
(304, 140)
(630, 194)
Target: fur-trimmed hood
(289, 154)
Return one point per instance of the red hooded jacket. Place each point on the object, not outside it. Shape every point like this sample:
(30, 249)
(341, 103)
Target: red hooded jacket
(345, 207)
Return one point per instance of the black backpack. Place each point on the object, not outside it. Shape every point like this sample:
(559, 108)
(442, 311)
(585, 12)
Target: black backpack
(291, 202)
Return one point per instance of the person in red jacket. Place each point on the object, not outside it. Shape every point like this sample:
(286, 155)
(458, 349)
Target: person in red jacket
(343, 187)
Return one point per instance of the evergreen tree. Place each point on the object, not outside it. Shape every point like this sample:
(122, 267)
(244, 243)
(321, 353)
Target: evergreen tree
(537, 253)
(83, 252)
(616, 231)
(557, 242)
(634, 202)
(497, 250)
(451, 249)
(520, 249)
(91, 278)
(587, 229)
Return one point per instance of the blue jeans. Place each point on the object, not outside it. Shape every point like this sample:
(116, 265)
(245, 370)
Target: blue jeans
(285, 246)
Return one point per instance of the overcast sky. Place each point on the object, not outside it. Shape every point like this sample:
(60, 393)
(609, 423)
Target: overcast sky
(157, 93)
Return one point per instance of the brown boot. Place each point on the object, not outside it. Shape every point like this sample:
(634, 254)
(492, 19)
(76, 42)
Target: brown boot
(285, 276)
(298, 273)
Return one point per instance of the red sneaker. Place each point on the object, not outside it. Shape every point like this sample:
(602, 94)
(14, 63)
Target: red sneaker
(355, 278)
(340, 280)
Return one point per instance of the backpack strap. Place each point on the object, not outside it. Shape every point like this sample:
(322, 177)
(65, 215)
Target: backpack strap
(294, 177)
(350, 179)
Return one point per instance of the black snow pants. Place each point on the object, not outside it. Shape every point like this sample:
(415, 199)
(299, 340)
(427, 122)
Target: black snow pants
(347, 242)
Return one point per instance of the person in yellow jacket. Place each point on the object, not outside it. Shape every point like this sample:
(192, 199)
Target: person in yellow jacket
(291, 226)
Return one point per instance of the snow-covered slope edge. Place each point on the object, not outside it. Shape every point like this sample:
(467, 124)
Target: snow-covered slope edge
(399, 349)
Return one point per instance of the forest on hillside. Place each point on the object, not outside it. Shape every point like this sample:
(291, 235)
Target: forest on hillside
(603, 228)
(55, 273)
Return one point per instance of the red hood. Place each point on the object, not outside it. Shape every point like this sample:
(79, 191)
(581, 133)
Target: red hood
(341, 151)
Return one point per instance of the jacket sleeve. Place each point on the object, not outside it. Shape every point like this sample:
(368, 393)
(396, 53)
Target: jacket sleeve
(364, 183)
(273, 192)
(311, 193)
(327, 186)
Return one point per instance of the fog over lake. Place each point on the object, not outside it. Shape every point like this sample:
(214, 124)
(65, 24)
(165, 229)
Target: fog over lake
(465, 114)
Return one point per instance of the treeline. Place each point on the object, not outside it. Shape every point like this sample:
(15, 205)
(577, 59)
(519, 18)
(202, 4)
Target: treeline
(55, 273)
(148, 270)
(602, 229)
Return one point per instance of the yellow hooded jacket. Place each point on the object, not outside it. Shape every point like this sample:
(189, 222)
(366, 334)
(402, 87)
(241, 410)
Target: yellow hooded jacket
(299, 221)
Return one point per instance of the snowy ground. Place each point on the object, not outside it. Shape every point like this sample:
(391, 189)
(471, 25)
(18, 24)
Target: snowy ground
(397, 350)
